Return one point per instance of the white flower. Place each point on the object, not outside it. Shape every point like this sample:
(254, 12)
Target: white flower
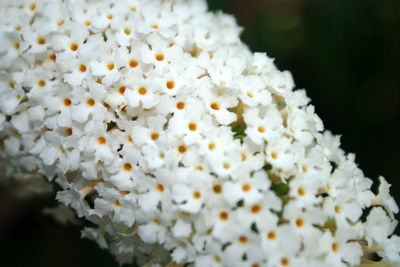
(157, 18)
(21, 122)
(391, 249)
(252, 91)
(176, 141)
(263, 127)
(13, 47)
(378, 226)
(152, 232)
(341, 248)
(62, 214)
(383, 197)
(142, 91)
(118, 204)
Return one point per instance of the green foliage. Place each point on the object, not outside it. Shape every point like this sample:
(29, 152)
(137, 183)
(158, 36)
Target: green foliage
(280, 188)
(239, 129)
(267, 167)
(108, 238)
(123, 229)
(111, 125)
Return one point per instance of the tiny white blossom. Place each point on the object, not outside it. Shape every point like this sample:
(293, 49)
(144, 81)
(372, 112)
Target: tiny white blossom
(176, 142)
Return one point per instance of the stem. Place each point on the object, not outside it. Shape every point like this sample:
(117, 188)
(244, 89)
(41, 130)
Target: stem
(89, 188)
(369, 263)
(372, 249)
(174, 264)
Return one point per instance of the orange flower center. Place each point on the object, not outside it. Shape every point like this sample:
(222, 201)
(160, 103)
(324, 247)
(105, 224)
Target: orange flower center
(82, 68)
(197, 194)
(224, 216)
(110, 66)
(246, 187)
(160, 57)
(214, 106)
(160, 188)
(90, 102)
(127, 167)
(192, 126)
(271, 235)
(41, 83)
(121, 90)
(180, 105)
(73, 47)
(67, 102)
(133, 63)
(182, 149)
(154, 136)
(170, 85)
(101, 140)
(243, 239)
(41, 41)
(217, 189)
(142, 90)
(255, 208)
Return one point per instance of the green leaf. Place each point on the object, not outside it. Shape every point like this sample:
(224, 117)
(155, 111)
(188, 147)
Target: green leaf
(280, 188)
(281, 104)
(254, 228)
(239, 129)
(108, 238)
(123, 228)
(111, 125)
(240, 203)
(224, 246)
(267, 167)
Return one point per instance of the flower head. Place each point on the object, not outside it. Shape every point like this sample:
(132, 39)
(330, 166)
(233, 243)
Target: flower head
(189, 148)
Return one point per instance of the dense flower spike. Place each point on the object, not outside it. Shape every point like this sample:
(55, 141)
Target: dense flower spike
(182, 146)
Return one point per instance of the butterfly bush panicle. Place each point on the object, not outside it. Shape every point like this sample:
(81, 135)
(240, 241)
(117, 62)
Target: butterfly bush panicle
(162, 129)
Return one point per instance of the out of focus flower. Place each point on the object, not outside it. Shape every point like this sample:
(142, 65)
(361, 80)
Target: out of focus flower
(176, 142)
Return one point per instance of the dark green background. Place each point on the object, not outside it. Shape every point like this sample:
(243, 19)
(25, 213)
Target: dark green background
(344, 52)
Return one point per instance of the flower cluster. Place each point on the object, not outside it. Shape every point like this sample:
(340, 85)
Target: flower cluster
(161, 127)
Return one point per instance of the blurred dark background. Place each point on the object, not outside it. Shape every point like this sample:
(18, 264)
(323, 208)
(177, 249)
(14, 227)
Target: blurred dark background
(344, 52)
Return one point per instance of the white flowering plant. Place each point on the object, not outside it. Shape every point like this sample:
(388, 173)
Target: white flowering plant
(156, 124)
